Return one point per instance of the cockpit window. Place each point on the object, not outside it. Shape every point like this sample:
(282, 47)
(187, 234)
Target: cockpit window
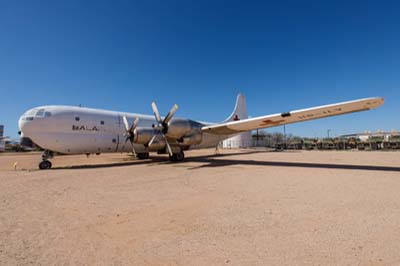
(40, 113)
(35, 112)
(31, 112)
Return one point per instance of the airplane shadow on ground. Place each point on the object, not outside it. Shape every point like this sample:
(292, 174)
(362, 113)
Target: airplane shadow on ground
(152, 161)
(108, 165)
(219, 161)
(210, 162)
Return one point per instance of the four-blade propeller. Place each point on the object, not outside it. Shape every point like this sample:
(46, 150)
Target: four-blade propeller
(163, 124)
(130, 131)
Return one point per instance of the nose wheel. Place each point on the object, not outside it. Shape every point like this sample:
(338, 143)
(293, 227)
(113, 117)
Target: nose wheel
(45, 165)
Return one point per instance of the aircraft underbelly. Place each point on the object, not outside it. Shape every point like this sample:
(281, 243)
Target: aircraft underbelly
(210, 141)
(75, 143)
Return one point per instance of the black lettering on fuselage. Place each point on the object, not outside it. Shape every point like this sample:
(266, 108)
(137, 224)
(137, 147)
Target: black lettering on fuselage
(84, 128)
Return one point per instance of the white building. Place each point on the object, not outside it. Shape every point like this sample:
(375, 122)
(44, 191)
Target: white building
(243, 140)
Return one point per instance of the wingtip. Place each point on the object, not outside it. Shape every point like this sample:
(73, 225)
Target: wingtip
(376, 102)
(381, 100)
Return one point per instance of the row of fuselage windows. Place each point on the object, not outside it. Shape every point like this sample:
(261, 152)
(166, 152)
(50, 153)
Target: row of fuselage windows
(77, 118)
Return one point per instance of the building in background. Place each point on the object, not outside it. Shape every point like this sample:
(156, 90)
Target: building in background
(242, 140)
(365, 136)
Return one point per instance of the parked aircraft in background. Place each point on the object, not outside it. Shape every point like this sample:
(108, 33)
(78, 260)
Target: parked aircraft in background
(79, 130)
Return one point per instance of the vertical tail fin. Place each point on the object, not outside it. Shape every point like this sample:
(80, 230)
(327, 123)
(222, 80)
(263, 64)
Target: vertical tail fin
(240, 111)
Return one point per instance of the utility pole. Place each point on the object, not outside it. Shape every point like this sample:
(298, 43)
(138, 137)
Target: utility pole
(284, 136)
(257, 139)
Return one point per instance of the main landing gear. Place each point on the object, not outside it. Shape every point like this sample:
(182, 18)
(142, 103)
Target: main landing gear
(143, 156)
(177, 157)
(45, 163)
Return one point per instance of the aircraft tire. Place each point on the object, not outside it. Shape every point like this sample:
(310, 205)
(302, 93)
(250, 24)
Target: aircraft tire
(180, 156)
(177, 157)
(143, 156)
(43, 165)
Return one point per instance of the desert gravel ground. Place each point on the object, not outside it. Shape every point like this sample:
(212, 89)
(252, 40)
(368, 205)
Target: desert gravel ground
(243, 207)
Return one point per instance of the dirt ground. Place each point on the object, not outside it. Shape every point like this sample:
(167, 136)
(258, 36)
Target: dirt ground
(240, 208)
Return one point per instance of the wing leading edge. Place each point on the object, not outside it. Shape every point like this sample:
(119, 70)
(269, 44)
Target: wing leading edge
(294, 116)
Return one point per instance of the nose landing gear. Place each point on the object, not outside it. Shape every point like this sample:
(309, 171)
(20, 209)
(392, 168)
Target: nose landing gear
(45, 163)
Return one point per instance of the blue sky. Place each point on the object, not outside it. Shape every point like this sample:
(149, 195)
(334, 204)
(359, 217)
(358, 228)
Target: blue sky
(282, 55)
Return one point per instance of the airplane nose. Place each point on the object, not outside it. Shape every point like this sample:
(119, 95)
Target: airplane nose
(22, 124)
(25, 124)
(33, 120)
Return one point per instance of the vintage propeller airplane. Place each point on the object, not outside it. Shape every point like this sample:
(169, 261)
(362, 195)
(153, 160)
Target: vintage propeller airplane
(79, 130)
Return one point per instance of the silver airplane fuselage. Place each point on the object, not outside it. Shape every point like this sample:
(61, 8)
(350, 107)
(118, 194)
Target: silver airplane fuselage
(79, 130)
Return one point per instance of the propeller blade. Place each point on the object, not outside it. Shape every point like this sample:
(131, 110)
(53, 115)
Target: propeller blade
(156, 113)
(123, 145)
(152, 139)
(170, 114)
(130, 129)
(168, 147)
(125, 120)
(133, 149)
(134, 125)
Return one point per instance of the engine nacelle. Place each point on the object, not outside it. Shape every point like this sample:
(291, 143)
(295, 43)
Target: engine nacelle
(185, 132)
(158, 143)
(178, 128)
(143, 135)
(193, 139)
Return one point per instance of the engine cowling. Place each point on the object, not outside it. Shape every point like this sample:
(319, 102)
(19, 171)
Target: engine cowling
(158, 143)
(185, 132)
(143, 135)
(179, 128)
(193, 139)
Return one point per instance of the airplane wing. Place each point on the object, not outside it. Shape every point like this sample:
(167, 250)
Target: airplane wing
(293, 116)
